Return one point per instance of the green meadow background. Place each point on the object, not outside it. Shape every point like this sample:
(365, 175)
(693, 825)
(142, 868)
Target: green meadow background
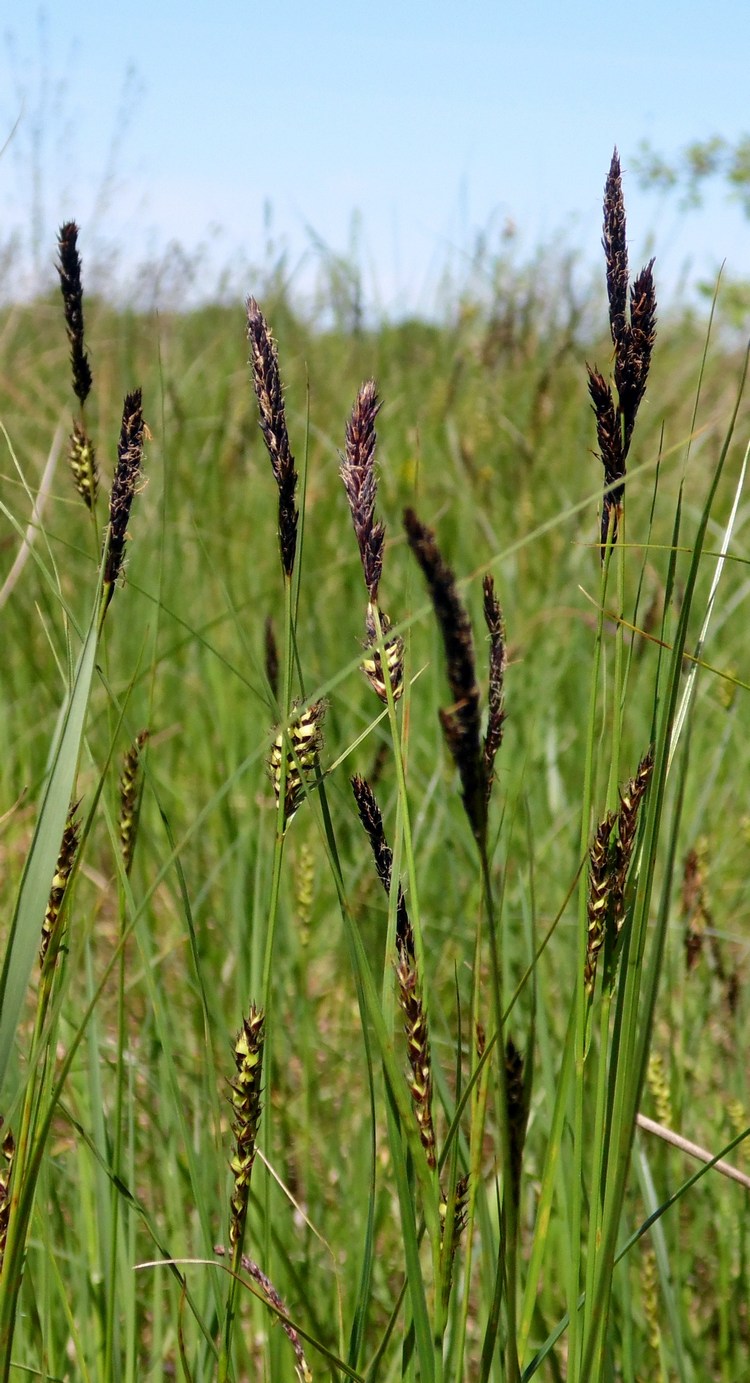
(487, 431)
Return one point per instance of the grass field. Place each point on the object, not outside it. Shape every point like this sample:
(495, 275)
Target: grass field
(552, 1237)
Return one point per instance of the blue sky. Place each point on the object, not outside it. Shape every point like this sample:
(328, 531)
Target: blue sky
(430, 121)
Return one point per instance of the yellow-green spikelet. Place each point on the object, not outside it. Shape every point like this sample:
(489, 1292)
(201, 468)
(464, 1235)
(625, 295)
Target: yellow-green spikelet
(306, 738)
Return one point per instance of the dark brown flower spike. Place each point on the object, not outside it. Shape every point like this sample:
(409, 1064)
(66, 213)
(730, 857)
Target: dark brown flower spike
(410, 996)
(633, 337)
(461, 720)
(609, 437)
(372, 820)
(360, 483)
(517, 1095)
(246, 1093)
(69, 269)
(271, 657)
(615, 246)
(124, 485)
(267, 381)
(493, 738)
(634, 371)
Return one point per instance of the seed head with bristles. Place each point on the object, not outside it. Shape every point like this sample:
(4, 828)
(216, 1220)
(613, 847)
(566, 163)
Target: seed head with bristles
(360, 483)
(267, 381)
(124, 485)
(245, 1097)
(69, 269)
(461, 720)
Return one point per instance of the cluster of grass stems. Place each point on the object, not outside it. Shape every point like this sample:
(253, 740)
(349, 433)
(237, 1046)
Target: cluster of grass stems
(333, 1001)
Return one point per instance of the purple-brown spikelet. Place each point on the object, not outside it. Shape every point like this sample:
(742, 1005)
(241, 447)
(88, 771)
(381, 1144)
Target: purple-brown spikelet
(633, 334)
(615, 246)
(417, 1049)
(517, 1104)
(245, 1097)
(372, 820)
(267, 381)
(609, 437)
(493, 738)
(69, 269)
(600, 895)
(8, 1149)
(51, 931)
(360, 483)
(357, 472)
(408, 980)
(124, 485)
(695, 909)
(271, 657)
(456, 1228)
(302, 1368)
(610, 858)
(131, 785)
(627, 822)
(461, 720)
(633, 373)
